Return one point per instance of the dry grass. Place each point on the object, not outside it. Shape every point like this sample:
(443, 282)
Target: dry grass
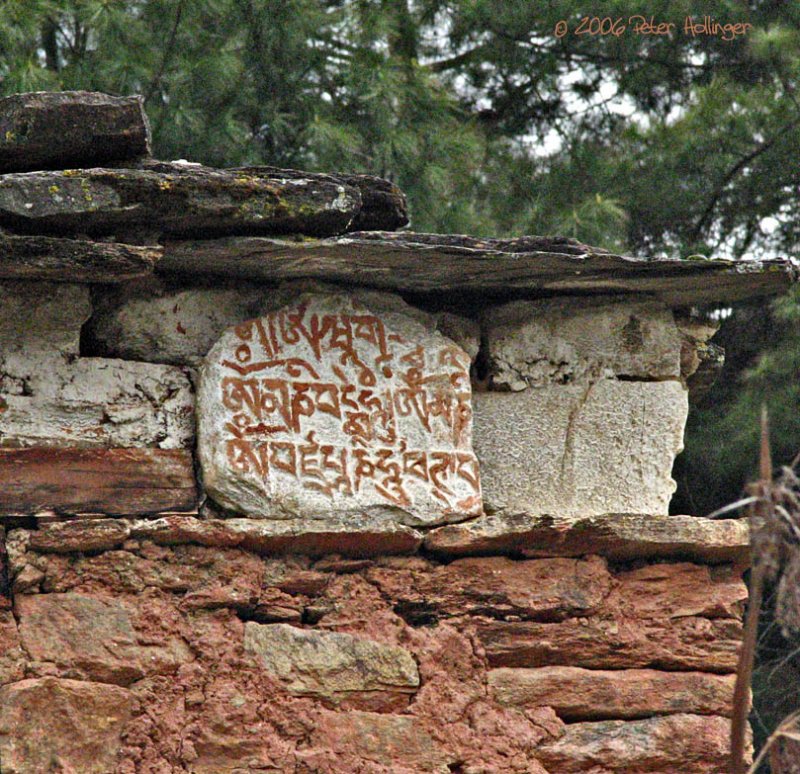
(774, 514)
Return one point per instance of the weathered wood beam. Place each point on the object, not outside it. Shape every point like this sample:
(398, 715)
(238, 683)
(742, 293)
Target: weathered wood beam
(430, 263)
(46, 130)
(111, 481)
(73, 260)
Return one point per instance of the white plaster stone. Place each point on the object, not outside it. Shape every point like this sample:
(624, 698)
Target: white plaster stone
(327, 408)
(566, 340)
(580, 449)
(101, 402)
(152, 322)
(41, 317)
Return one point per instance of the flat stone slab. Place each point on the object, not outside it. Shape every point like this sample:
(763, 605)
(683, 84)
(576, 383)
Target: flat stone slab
(435, 263)
(73, 260)
(580, 449)
(112, 481)
(494, 587)
(188, 199)
(338, 668)
(95, 402)
(559, 341)
(619, 694)
(328, 410)
(618, 536)
(55, 130)
(258, 536)
(671, 745)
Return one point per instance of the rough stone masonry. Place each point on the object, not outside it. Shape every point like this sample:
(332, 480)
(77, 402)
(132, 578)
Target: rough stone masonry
(284, 489)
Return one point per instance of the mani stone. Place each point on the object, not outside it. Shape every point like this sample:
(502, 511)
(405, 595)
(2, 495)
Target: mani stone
(580, 449)
(326, 408)
(567, 340)
(46, 130)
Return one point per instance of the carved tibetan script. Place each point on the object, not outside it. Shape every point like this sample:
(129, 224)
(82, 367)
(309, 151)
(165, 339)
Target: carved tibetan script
(325, 405)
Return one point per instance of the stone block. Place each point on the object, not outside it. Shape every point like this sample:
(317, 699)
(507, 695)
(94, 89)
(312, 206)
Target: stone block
(12, 659)
(597, 694)
(373, 742)
(580, 449)
(338, 668)
(47, 724)
(327, 408)
(93, 638)
(566, 340)
(155, 322)
(39, 318)
(92, 402)
(46, 130)
(600, 642)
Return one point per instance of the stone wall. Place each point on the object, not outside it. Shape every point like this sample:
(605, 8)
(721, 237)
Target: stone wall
(258, 523)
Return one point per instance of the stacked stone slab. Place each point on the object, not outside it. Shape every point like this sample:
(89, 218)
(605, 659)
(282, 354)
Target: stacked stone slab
(281, 490)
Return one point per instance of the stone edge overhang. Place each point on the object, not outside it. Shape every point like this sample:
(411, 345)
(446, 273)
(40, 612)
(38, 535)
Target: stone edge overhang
(618, 537)
(442, 264)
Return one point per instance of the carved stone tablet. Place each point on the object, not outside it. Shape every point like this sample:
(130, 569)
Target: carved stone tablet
(325, 408)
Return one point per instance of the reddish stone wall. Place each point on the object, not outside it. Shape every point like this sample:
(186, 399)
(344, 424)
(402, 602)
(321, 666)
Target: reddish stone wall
(149, 658)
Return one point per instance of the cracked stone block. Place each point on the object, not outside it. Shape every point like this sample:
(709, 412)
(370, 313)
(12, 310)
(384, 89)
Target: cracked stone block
(580, 449)
(340, 668)
(339, 407)
(54, 401)
(535, 343)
